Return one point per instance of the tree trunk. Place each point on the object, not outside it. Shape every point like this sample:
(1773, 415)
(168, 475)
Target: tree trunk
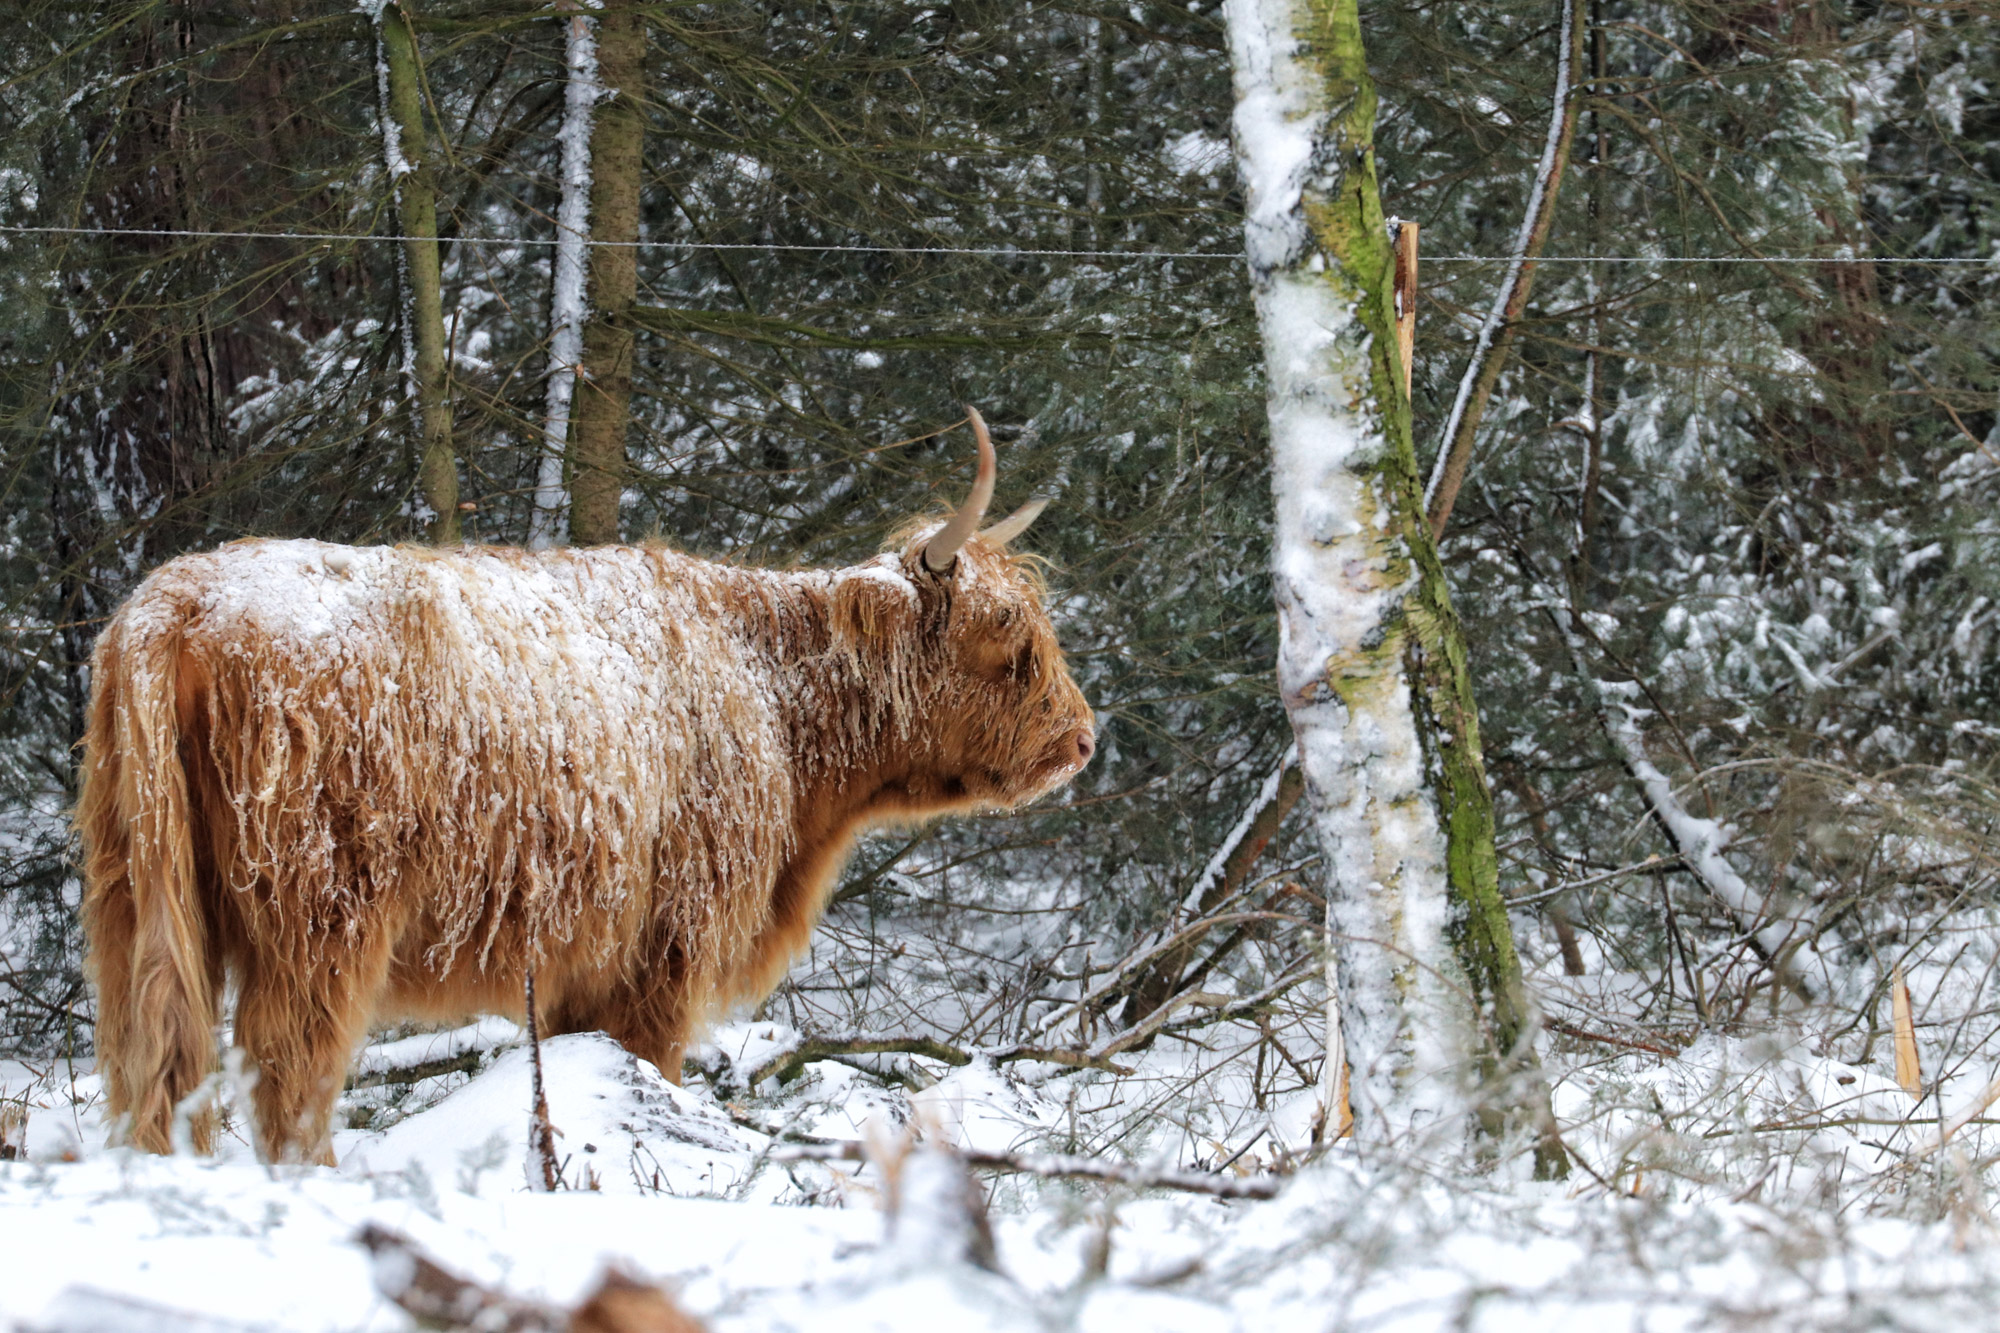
(1371, 660)
(567, 307)
(604, 397)
(406, 153)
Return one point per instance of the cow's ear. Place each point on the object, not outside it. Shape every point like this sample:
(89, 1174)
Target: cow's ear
(869, 605)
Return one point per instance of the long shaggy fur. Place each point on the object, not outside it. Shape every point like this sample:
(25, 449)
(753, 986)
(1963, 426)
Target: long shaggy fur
(375, 783)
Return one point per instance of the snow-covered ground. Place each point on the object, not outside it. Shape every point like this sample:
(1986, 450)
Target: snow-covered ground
(1760, 1172)
(1816, 1218)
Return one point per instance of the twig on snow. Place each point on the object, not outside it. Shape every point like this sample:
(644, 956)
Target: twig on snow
(435, 1296)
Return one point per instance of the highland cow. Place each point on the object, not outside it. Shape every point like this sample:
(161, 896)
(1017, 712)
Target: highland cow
(375, 783)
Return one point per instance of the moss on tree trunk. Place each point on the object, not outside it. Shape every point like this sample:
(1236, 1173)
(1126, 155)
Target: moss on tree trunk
(408, 156)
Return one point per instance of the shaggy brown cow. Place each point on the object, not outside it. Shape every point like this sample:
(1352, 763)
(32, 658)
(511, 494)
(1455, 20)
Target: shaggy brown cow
(372, 783)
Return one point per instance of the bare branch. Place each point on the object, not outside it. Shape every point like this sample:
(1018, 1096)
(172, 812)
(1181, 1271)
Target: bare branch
(543, 1168)
(787, 1065)
(1062, 1167)
(1489, 352)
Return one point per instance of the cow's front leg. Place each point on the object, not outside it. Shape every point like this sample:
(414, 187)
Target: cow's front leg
(650, 1014)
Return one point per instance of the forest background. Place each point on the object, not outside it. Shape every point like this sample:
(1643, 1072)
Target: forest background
(1746, 432)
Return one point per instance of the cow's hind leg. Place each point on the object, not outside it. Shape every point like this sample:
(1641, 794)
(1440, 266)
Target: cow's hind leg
(299, 1019)
(112, 927)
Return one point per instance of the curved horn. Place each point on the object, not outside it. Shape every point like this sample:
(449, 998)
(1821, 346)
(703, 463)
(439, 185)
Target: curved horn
(1016, 523)
(943, 549)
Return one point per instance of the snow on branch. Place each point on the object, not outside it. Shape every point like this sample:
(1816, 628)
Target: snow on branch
(1699, 842)
(786, 1065)
(1218, 888)
(1213, 872)
(1489, 350)
(1219, 1009)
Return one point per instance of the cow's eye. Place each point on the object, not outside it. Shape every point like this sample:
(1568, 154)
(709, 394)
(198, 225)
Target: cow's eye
(1004, 657)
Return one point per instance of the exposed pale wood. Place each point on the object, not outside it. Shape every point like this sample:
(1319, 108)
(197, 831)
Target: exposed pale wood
(1909, 1072)
(1406, 297)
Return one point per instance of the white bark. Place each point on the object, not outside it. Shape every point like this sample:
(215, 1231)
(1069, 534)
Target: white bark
(1342, 572)
(398, 166)
(568, 304)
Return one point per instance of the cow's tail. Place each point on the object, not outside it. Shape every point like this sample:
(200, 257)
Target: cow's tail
(150, 949)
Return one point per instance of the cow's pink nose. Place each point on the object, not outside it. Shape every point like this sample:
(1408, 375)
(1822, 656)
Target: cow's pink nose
(1085, 746)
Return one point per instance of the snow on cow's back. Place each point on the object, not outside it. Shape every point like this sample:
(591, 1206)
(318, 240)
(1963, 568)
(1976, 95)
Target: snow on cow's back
(602, 611)
(561, 728)
(560, 639)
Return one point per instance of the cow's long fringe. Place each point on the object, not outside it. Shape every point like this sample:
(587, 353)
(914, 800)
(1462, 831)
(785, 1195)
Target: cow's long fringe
(387, 781)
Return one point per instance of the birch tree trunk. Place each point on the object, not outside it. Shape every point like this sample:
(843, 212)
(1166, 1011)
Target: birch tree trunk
(604, 395)
(406, 155)
(1371, 660)
(567, 306)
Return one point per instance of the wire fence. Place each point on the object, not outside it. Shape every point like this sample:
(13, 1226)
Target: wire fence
(993, 252)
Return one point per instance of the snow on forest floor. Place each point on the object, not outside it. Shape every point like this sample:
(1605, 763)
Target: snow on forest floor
(1821, 1227)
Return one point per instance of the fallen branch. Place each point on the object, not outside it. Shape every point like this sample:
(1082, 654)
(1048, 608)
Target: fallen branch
(1061, 1167)
(1150, 972)
(465, 1062)
(436, 1297)
(1965, 1116)
(1149, 1027)
(1699, 843)
(1118, 977)
(1227, 874)
(1219, 1009)
(1629, 1043)
(788, 1065)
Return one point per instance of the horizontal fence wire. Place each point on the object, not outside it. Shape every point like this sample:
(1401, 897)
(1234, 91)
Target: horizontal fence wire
(991, 252)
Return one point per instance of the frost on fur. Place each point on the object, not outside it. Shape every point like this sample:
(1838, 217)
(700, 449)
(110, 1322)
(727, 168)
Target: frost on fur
(381, 782)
